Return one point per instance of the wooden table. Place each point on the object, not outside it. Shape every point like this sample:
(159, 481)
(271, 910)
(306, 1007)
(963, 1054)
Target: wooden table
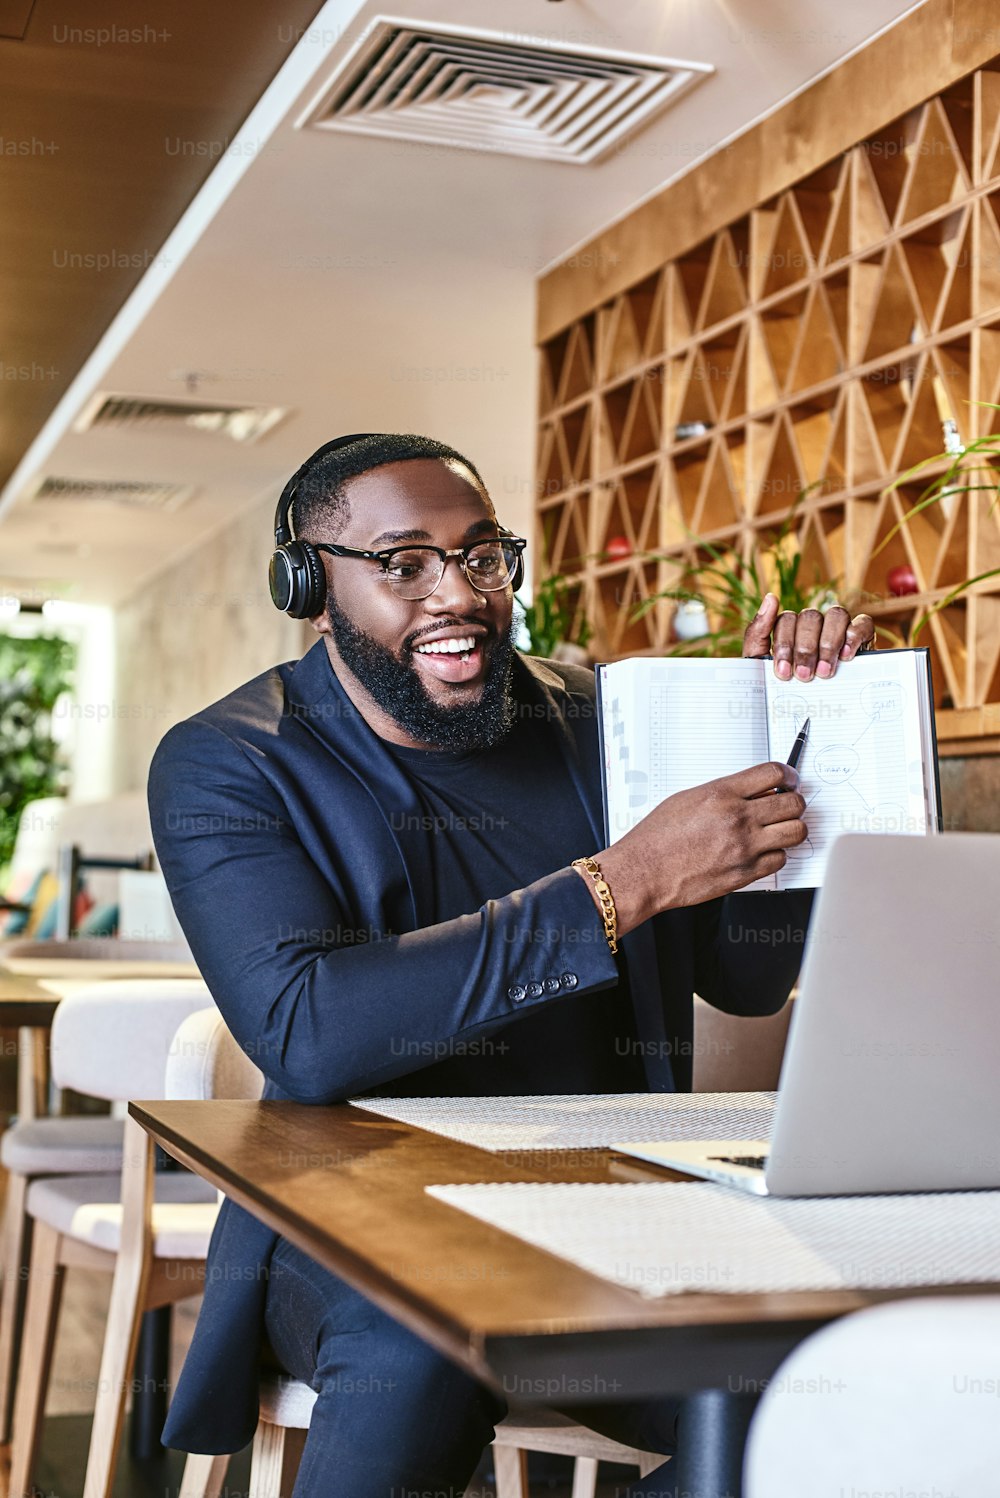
(25, 1000)
(347, 1187)
(32, 986)
(96, 958)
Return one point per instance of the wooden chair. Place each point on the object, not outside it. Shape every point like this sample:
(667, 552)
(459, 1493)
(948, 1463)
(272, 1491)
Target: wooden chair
(545, 1430)
(30, 1148)
(203, 1061)
(736, 1052)
(287, 1403)
(105, 1038)
(286, 1409)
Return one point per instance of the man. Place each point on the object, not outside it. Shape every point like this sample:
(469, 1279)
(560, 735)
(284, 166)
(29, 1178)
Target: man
(371, 852)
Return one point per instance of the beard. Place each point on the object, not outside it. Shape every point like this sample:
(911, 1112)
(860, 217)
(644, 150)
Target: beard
(394, 683)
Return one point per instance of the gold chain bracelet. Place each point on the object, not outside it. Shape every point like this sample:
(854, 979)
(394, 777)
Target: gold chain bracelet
(608, 912)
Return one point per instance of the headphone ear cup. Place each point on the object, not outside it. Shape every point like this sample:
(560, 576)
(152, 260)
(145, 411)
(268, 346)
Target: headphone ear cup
(312, 563)
(280, 580)
(297, 580)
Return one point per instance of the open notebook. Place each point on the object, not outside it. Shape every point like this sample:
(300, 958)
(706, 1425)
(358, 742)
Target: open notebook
(869, 763)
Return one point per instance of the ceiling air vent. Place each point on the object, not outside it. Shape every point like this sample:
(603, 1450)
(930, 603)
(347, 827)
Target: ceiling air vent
(137, 494)
(496, 91)
(128, 412)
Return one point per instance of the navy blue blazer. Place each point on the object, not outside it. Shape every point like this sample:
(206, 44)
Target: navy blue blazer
(293, 847)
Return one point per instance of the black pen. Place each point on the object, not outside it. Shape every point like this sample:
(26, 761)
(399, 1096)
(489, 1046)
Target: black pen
(797, 748)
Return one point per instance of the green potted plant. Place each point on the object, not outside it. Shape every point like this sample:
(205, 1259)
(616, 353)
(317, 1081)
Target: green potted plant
(549, 622)
(721, 596)
(34, 672)
(969, 469)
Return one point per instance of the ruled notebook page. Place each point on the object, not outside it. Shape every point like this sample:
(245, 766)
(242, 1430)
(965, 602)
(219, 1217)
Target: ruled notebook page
(863, 766)
(669, 725)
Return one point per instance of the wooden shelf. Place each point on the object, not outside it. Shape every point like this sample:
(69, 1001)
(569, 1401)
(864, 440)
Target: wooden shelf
(798, 361)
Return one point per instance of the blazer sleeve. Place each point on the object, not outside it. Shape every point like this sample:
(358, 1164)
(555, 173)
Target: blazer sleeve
(324, 1022)
(748, 949)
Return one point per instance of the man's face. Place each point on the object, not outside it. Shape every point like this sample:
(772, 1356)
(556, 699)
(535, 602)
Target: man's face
(437, 697)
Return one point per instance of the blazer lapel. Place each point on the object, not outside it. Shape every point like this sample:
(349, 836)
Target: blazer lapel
(320, 702)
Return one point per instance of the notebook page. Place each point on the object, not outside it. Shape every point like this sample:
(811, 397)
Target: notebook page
(673, 724)
(862, 768)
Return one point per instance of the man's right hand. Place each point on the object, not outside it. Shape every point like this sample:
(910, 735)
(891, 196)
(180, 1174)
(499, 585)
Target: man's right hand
(704, 842)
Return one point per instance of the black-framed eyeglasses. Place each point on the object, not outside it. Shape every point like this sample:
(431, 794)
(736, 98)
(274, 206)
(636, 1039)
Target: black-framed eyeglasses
(415, 571)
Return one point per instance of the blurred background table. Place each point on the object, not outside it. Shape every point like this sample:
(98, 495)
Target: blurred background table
(35, 976)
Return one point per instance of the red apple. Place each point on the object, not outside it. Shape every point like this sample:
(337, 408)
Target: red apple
(902, 580)
(618, 547)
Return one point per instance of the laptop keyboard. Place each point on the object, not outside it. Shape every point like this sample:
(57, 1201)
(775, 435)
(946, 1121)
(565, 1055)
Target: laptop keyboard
(752, 1162)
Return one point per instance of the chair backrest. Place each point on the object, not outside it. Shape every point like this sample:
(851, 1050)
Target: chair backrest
(112, 1040)
(115, 827)
(736, 1052)
(37, 840)
(205, 1062)
(897, 1398)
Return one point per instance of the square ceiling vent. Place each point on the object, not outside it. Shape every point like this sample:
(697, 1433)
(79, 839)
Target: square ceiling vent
(493, 91)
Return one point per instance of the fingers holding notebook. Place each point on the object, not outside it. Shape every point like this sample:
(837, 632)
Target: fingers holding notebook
(807, 643)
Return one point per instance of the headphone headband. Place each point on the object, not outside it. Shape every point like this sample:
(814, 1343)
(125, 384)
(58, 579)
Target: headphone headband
(282, 523)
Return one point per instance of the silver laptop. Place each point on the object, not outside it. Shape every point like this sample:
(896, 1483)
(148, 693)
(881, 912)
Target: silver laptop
(891, 1076)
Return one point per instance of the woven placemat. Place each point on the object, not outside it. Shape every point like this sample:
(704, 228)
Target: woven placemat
(664, 1239)
(581, 1121)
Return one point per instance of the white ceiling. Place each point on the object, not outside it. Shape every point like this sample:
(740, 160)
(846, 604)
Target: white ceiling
(367, 283)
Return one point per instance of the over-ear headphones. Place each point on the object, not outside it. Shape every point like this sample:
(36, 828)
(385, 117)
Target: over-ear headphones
(296, 575)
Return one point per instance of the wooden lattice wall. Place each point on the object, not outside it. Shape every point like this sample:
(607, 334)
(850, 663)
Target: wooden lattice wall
(818, 340)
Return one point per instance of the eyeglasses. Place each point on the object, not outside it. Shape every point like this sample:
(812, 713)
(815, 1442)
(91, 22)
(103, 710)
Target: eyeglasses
(415, 571)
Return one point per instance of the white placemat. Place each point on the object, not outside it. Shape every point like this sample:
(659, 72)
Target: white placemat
(663, 1239)
(581, 1121)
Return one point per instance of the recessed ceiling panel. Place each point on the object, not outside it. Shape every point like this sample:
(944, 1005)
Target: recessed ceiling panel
(142, 494)
(122, 412)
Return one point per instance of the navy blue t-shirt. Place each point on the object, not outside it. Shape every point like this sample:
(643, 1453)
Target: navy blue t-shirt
(504, 817)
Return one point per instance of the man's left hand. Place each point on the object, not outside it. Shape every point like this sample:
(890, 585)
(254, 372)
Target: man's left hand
(807, 644)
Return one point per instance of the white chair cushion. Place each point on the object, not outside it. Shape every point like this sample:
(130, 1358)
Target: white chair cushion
(112, 1040)
(286, 1401)
(898, 1398)
(63, 1146)
(206, 1062)
(88, 1208)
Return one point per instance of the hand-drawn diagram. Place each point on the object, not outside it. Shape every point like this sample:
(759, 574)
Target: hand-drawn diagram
(842, 760)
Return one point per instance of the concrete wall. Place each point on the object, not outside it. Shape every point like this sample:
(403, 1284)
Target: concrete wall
(199, 630)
